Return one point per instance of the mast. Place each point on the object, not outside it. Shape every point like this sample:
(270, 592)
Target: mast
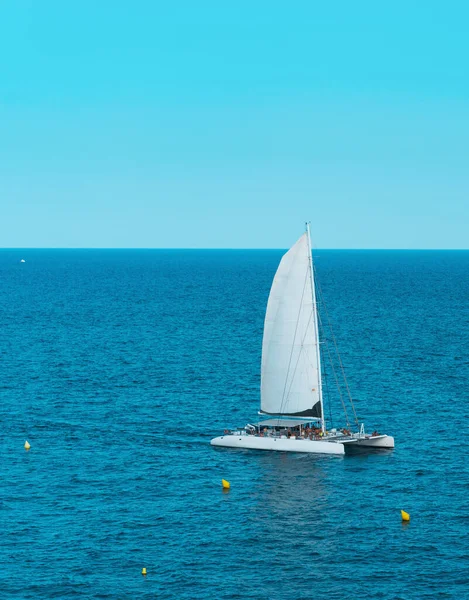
(316, 329)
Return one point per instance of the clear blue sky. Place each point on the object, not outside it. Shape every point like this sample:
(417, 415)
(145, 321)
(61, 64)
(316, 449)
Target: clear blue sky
(216, 124)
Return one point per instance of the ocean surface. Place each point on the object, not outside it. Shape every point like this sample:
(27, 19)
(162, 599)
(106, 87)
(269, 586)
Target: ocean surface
(119, 366)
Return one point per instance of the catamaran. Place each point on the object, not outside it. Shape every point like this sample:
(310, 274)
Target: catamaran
(291, 376)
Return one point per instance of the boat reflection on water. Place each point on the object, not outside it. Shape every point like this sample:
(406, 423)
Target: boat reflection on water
(286, 483)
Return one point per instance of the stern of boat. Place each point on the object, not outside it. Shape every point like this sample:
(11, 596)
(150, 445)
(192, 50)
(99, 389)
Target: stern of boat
(381, 442)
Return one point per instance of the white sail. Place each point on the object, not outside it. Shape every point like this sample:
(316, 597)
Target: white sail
(290, 374)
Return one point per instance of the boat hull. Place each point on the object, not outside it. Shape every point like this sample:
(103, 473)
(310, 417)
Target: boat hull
(278, 444)
(379, 441)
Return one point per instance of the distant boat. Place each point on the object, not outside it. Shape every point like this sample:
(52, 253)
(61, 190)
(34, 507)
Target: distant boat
(22, 260)
(291, 381)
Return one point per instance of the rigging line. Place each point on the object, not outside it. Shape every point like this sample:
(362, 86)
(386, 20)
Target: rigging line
(338, 353)
(326, 385)
(293, 343)
(336, 380)
(325, 379)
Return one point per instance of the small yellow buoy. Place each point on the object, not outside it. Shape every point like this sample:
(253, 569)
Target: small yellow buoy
(27, 445)
(144, 571)
(225, 484)
(405, 516)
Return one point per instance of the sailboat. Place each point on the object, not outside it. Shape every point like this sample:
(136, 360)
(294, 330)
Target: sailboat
(291, 377)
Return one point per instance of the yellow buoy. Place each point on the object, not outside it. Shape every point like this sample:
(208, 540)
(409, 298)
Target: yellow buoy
(27, 445)
(225, 484)
(144, 571)
(405, 516)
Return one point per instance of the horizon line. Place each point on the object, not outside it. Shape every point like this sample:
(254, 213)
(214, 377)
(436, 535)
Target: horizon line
(26, 248)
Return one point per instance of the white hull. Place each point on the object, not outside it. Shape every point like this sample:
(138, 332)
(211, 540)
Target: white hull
(378, 441)
(281, 444)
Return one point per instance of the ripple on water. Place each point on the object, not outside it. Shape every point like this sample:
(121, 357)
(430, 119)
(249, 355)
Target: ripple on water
(118, 375)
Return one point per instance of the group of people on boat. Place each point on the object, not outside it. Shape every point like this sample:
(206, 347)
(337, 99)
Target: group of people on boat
(306, 432)
(312, 433)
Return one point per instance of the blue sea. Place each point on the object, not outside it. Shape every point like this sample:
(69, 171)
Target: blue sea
(119, 366)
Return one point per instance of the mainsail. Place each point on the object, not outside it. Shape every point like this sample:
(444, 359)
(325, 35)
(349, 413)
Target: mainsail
(290, 374)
